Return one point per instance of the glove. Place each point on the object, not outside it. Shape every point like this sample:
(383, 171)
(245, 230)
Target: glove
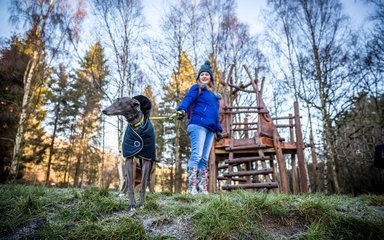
(219, 135)
(179, 115)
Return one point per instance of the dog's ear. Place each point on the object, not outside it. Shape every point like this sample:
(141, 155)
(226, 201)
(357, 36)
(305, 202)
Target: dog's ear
(135, 104)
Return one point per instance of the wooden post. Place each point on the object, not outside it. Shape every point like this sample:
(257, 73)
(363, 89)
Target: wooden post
(212, 170)
(300, 150)
(295, 184)
(281, 162)
(295, 179)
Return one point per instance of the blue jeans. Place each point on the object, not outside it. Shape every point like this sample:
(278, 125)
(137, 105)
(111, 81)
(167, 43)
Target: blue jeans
(201, 142)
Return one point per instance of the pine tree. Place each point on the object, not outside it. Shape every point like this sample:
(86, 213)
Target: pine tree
(89, 82)
(182, 79)
(57, 98)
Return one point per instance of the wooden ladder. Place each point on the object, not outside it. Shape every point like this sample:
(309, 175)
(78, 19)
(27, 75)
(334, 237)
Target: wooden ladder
(247, 166)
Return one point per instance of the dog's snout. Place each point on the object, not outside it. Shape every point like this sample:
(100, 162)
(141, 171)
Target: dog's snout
(104, 111)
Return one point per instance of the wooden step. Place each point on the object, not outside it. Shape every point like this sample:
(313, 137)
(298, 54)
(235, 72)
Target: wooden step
(251, 185)
(236, 179)
(255, 146)
(246, 159)
(264, 171)
(221, 178)
(222, 167)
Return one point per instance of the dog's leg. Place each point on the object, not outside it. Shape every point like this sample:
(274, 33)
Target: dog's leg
(130, 182)
(152, 178)
(124, 188)
(144, 180)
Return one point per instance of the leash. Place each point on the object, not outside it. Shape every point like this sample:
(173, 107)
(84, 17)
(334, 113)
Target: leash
(160, 118)
(171, 117)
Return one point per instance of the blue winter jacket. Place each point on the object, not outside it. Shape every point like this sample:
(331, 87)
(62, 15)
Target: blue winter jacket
(205, 111)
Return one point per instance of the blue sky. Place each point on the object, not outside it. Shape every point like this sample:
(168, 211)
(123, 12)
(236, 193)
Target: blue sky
(248, 12)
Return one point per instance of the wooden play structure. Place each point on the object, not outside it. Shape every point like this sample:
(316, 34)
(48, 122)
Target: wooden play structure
(252, 155)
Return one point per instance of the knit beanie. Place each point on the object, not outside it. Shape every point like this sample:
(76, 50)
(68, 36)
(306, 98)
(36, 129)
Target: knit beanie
(206, 67)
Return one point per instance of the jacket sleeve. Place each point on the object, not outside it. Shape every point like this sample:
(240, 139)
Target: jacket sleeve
(189, 98)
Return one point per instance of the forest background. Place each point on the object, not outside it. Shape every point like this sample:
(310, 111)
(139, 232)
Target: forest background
(68, 59)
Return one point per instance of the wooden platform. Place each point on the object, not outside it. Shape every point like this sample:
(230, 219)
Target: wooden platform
(256, 162)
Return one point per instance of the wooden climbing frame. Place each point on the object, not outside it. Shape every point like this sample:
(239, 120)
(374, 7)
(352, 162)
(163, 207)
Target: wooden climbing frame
(252, 147)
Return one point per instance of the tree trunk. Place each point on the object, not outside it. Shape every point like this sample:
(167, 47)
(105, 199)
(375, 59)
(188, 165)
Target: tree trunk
(51, 147)
(178, 169)
(332, 157)
(120, 158)
(80, 156)
(325, 115)
(20, 130)
(101, 170)
(315, 167)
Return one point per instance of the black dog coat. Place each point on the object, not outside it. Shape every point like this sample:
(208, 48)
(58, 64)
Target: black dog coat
(141, 142)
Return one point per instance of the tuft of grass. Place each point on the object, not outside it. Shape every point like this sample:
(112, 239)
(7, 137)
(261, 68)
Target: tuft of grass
(374, 200)
(20, 203)
(151, 205)
(233, 215)
(178, 209)
(316, 231)
(112, 228)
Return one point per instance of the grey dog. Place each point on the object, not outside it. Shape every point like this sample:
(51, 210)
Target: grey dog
(138, 141)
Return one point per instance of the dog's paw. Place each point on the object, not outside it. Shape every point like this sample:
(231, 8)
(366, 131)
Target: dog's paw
(121, 195)
(132, 208)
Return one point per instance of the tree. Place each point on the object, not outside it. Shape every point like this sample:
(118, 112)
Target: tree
(13, 63)
(357, 131)
(181, 81)
(91, 81)
(58, 99)
(43, 18)
(318, 52)
(122, 23)
(216, 12)
(373, 61)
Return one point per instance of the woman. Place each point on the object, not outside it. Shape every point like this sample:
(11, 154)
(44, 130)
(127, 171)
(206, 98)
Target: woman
(202, 104)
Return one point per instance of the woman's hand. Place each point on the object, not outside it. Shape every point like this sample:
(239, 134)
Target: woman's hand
(219, 135)
(179, 115)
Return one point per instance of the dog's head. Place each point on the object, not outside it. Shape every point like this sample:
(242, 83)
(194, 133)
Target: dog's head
(125, 106)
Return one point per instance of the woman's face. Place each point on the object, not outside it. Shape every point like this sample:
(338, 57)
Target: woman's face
(205, 77)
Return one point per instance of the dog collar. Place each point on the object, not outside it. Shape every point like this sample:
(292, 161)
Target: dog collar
(139, 123)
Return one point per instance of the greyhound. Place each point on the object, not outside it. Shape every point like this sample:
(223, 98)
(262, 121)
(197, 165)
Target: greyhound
(138, 141)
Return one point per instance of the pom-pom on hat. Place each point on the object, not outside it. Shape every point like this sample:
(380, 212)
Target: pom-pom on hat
(206, 67)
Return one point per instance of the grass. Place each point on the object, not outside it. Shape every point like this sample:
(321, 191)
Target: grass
(55, 213)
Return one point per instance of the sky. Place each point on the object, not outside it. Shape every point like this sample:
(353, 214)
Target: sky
(248, 12)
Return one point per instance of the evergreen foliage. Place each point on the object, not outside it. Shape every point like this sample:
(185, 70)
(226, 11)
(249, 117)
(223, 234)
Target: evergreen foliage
(13, 63)
(181, 80)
